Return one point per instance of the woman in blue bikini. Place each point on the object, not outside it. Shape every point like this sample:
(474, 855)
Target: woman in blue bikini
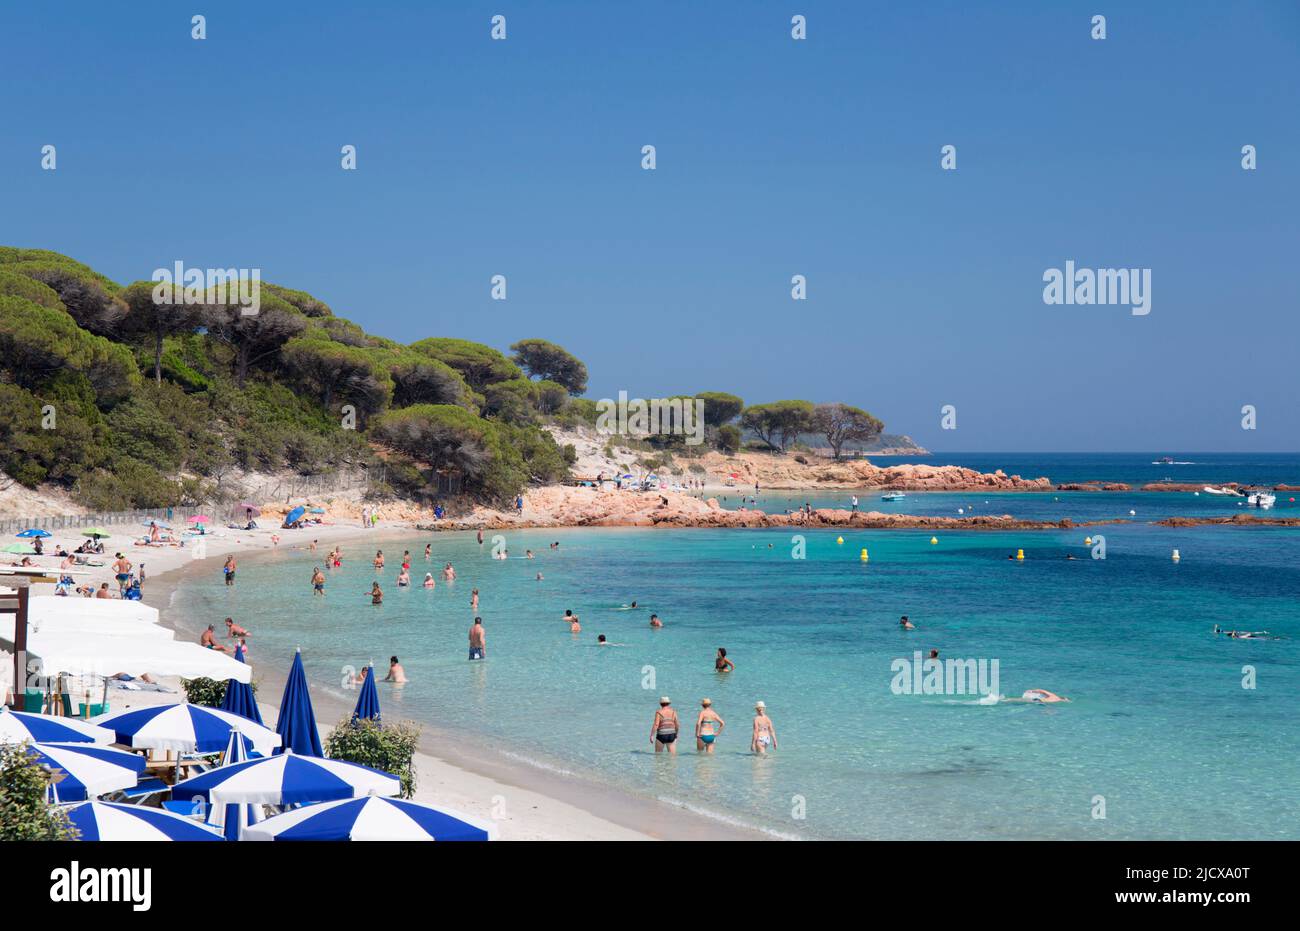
(708, 727)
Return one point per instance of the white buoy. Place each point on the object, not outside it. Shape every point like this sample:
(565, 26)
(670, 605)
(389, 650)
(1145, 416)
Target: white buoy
(961, 510)
(1132, 513)
(1176, 556)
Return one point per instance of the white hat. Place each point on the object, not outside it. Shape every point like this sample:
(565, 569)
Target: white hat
(665, 700)
(759, 704)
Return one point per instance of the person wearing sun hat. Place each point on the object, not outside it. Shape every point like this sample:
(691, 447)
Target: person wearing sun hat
(764, 737)
(708, 726)
(663, 732)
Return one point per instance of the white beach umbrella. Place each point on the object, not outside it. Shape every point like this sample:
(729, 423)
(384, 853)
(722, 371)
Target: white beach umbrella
(21, 727)
(185, 728)
(82, 653)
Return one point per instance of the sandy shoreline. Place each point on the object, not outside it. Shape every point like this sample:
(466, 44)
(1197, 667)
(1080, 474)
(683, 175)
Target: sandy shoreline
(527, 802)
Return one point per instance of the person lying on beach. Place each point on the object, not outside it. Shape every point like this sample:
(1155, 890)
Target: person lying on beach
(721, 663)
(764, 735)
(477, 639)
(376, 594)
(708, 727)
(655, 622)
(663, 731)
(208, 639)
(396, 674)
(234, 630)
(904, 623)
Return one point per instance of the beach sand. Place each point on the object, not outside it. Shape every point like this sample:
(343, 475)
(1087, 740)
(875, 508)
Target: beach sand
(525, 802)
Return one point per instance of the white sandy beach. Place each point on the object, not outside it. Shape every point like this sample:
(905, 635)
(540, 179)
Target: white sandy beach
(524, 802)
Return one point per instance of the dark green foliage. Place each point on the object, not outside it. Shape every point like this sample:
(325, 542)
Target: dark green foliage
(36, 342)
(720, 408)
(778, 423)
(729, 438)
(24, 814)
(549, 362)
(386, 747)
(480, 365)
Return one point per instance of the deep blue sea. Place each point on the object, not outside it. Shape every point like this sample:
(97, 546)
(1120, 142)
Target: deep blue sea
(1171, 731)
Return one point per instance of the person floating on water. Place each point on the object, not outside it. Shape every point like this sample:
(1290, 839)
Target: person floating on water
(904, 623)
(477, 639)
(655, 622)
(663, 732)
(708, 727)
(764, 736)
(721, 663)
(1040, 696)
(1246, 634)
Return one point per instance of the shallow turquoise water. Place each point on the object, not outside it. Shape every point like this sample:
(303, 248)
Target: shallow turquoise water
(1159, 723)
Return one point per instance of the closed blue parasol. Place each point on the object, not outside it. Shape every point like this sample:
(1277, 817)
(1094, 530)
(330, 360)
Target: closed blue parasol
(239, 696)
(368, 701)
(296, 724)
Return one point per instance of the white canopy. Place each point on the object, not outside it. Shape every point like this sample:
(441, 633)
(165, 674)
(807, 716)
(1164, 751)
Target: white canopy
(79, 653)
(66, 616)
(42, 606)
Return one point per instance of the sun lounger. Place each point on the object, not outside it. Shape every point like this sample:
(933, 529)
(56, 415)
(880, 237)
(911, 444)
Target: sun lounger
(142, 791)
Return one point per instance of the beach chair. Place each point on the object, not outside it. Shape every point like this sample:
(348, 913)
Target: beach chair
(186, 809)
(141, 792)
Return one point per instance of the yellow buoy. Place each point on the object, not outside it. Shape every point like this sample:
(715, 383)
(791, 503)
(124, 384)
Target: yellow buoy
(1087, 541)
(839, 540)
(1177, 556)
(863, 555)
(1020, 554)
(934, 540)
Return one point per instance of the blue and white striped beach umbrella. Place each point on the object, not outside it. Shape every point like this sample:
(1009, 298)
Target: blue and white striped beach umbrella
(185, 728)
(88, 770)
(286, 779)
(110, 821)
(232, 819)
(18, 727)
(373, 819)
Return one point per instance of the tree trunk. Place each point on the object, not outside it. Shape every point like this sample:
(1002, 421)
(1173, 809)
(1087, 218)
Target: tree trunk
(241, 365)
(157, 356)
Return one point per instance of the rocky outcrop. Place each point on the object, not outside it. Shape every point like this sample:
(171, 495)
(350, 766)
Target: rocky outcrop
(587, 507)
(1236, 520)
(1093, 486)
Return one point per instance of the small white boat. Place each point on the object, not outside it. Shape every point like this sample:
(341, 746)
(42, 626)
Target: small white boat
(893, 496)
(1262, 500)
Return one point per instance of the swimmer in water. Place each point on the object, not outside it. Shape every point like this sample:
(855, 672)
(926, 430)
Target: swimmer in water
(403, 578)
(655, 622)
(904, 623)
(1246, 634)
(376, 594)
(764, 736)
(428, 580)
(721, 663)
(574, 626)
(448, 573)
(379, 560)
(317, 582)
(708, 727)
(428, 551)
(1041, 696)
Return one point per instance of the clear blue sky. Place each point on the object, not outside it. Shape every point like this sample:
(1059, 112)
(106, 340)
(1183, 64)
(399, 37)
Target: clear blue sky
(775, 157)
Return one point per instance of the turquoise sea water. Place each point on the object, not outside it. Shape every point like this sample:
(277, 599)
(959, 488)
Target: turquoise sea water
(1159, 724)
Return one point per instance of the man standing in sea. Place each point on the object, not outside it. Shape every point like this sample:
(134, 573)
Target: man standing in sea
(477, 639)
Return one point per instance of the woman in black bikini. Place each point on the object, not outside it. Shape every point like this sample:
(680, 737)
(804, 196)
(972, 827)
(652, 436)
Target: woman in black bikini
(663, 732)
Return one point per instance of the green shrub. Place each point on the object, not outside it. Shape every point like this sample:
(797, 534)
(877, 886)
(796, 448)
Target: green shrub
(387, 747)
(24, 815)
(209, 693)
